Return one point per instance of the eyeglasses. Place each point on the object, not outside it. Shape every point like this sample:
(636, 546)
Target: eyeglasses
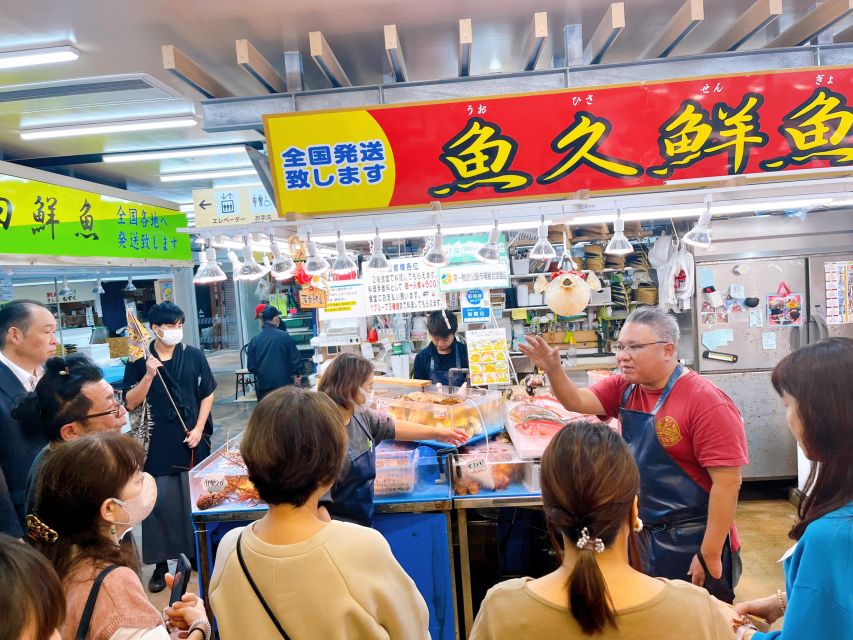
(115, 411)
(635, 348)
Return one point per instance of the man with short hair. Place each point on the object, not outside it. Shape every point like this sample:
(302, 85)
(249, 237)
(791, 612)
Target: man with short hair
(272, 355)
(27, 340)
(688, 439)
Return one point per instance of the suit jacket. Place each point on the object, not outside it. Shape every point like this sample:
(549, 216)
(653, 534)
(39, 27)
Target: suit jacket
(18, 449)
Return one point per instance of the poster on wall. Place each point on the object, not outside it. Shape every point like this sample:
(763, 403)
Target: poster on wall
(475, 307)
(346, 299)
(552, 143)
(487, 356)
(839, 292)
(408, 287)
(784, 310)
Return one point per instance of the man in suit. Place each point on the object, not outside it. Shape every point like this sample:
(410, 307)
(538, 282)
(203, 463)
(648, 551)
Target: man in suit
(272, 355)
(27, 340)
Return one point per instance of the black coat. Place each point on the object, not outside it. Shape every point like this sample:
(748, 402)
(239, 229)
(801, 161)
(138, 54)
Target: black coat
(18, 449)
(273, 358)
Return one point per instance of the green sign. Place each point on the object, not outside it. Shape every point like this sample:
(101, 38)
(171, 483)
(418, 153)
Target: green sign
(38, 218)
(462, 249)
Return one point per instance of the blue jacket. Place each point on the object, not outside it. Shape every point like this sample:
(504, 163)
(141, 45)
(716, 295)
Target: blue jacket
(274, 359)
(819, 581)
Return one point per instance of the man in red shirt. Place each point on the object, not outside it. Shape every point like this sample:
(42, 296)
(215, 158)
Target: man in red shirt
(688, 439)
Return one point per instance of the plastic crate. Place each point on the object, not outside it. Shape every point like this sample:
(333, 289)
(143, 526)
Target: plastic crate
(396, 472)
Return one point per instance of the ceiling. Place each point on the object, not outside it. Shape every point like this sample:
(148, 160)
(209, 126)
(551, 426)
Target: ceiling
(121, 65)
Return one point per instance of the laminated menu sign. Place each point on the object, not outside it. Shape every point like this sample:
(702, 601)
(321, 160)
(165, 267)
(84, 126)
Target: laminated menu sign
(839, 292)
(409, 286)
(487, 356)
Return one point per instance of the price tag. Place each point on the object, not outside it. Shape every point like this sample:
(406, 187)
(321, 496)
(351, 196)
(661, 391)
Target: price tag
(439, 411)
(519, 314)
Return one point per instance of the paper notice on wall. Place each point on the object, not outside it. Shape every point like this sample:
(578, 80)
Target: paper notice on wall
(756, 318)
(839, 292)
(768, 341)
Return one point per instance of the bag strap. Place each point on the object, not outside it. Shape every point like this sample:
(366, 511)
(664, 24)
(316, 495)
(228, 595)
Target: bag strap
(85, 621)
(256, 590)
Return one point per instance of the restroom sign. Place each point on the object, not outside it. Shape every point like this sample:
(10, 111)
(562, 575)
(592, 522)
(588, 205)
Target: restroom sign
(475, 306)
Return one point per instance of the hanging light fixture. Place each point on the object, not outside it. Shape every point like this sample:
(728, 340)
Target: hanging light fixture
(700, 235)
(378, 260)
(489, 252)
(343, 265)
(236, 265)
(282, 264)
(618, 245)
(435, 255)
(542, 250)
(209, 271)
(315, 265)
(98, 289)
(566, 262)
(65, 289)
(129, 287)
(250, 270)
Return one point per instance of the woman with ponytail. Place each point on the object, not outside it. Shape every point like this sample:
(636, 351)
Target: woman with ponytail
(589, 489)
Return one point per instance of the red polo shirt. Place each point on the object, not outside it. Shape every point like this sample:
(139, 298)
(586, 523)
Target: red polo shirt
(699, 426)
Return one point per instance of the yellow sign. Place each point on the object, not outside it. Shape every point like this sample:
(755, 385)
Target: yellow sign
(47, 219)
(312, 298)
(519, 314)
(344, 156)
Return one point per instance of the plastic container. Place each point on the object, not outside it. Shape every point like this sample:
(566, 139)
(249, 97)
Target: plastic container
(396, 472)
(221, 482)
(477, 410)
(482, 471)
(522, 295)
(521, 267)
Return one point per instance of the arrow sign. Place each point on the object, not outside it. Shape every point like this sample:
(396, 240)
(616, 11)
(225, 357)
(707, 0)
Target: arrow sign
(204, 204)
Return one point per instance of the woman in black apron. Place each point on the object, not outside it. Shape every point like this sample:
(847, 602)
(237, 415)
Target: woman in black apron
(445, 360)
(349, 382)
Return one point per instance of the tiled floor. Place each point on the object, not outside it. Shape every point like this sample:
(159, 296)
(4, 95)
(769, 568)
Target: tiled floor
(763, 524)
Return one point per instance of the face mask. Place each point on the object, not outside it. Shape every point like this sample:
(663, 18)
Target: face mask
(368, 399)
(171, 337)
(139, 507)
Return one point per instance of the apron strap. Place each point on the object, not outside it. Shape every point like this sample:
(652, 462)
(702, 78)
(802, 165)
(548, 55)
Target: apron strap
(676, 374)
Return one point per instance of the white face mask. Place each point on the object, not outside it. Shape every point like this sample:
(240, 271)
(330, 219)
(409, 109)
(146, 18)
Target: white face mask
(140, 506)
(368, 399)
(171, 337)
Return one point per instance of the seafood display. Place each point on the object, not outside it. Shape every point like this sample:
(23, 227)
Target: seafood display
(492, 468)
(469, 412)
(396, 471)
(222, 480)
(532, 422)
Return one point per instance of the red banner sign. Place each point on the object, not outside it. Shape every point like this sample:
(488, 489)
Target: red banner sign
(553, 144)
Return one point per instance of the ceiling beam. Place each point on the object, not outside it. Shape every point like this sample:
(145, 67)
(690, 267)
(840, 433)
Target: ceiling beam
(819, 19)
(686, 19)
(761, 14)
(293, 71)
(605, 35)
(466, 45)
(188, 70)
(257, 66)
(539, 34)
(326, 60)
(395, 53)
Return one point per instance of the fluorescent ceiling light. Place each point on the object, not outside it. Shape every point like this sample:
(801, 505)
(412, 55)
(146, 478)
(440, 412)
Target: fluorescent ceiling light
(206, 175)
(93, 128)
(29, 57)
(759, 175)
(235, 185)
(187, 208)
(142, 156)
(402, 234)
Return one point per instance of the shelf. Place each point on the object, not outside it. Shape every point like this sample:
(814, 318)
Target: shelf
(527, 276)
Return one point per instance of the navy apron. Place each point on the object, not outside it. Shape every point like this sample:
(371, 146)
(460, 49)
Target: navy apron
(443, 377)
(673, 507)
(352, 495)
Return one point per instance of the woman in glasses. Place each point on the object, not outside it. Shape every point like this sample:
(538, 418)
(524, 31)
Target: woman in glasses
(71, 400)
(688, 439)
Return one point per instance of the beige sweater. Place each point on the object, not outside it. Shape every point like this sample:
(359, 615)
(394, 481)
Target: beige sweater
(511, 610)
(343, 582)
